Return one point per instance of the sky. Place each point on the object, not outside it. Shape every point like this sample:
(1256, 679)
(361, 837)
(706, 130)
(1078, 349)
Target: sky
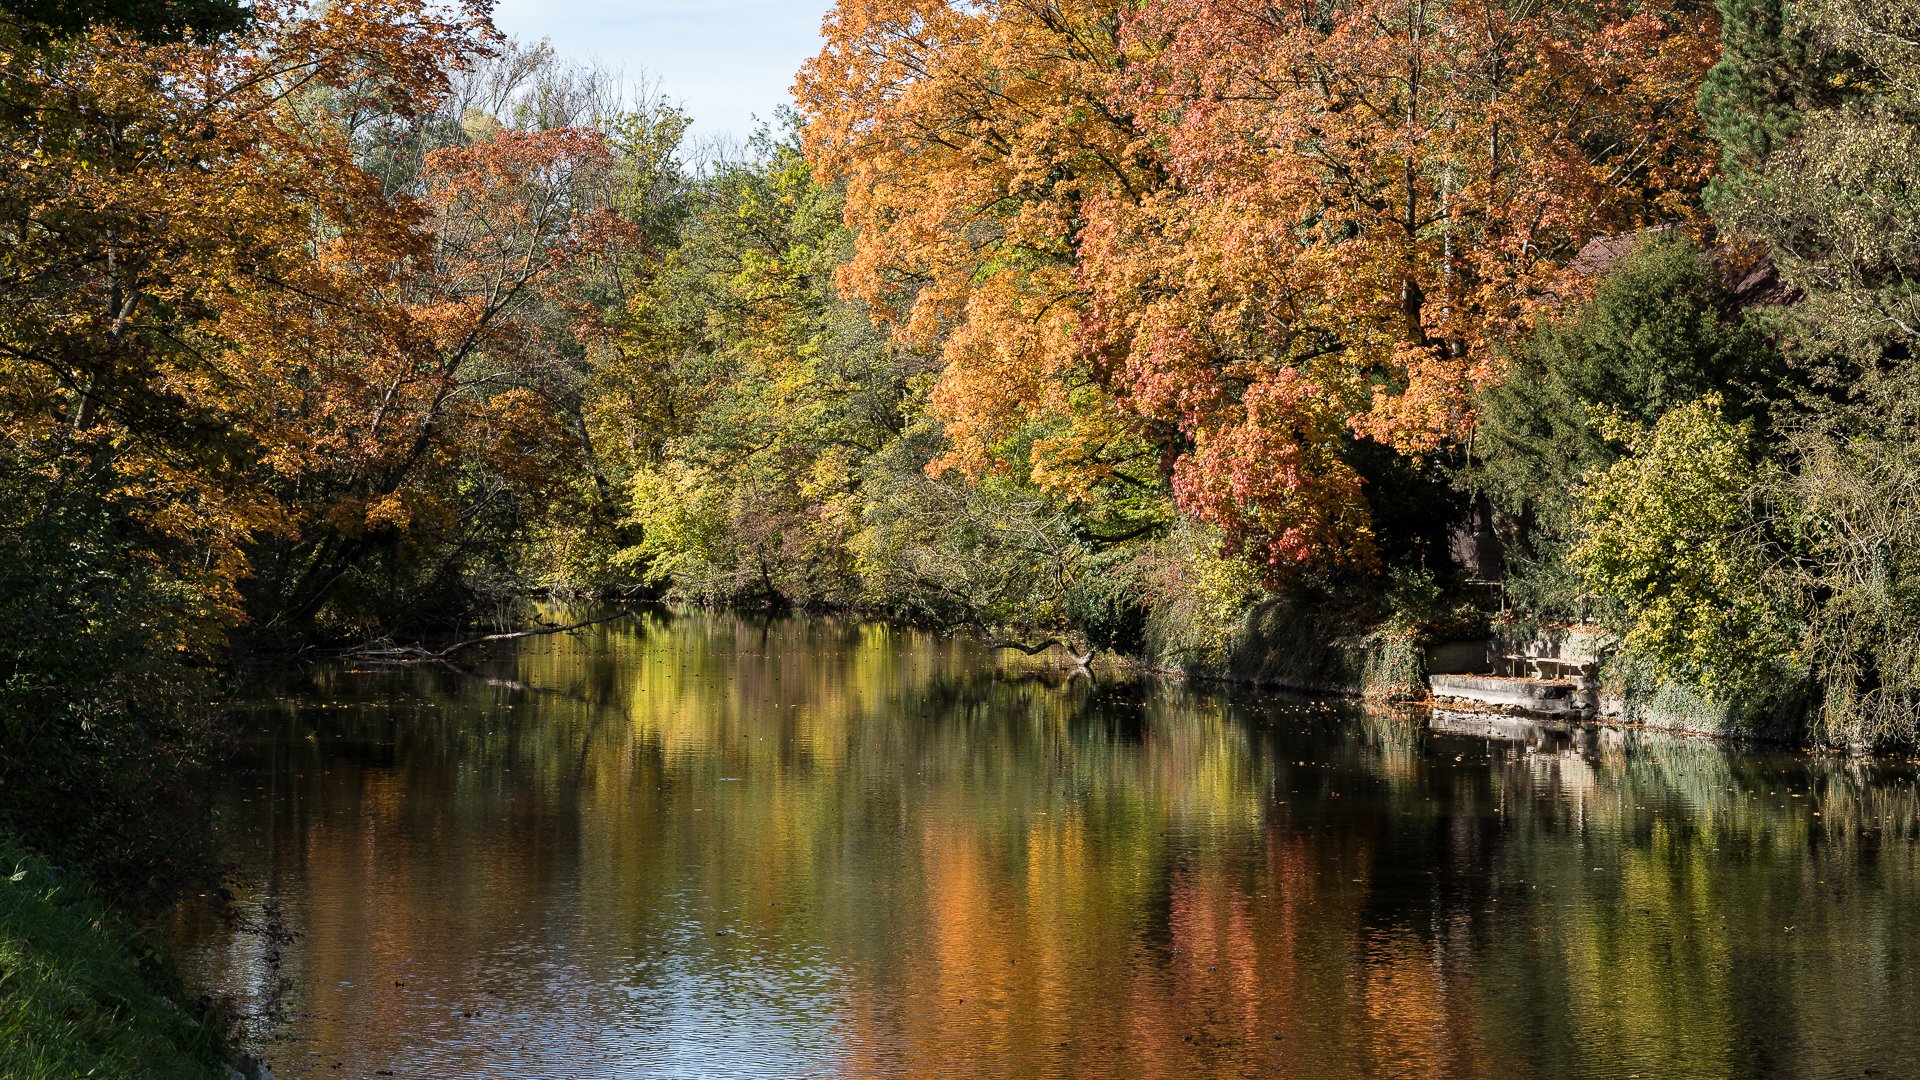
(726, 61)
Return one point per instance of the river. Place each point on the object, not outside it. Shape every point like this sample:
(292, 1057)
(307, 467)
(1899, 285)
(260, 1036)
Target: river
(694, 844)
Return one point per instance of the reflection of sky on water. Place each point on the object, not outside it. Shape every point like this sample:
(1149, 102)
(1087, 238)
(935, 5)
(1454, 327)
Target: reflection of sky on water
(715, 846)
(569, 1002)
(744, 1020)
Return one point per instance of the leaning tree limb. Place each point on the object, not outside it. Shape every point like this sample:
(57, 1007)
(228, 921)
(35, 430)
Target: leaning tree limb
(1079, 659)
(416, 654)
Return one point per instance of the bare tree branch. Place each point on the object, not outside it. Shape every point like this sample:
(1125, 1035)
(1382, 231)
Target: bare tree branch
(418, 654)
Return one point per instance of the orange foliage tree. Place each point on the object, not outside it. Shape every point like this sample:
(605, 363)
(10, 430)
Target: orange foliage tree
(448, 409)
(188, 250)
(191, 263)
(970, 138)
(212, 310)
(1243, 232)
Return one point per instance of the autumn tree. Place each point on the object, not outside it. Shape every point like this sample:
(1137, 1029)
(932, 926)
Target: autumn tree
(618, 143)
(459, 417)
(1221, 240)
(971, 139)
(185, 261)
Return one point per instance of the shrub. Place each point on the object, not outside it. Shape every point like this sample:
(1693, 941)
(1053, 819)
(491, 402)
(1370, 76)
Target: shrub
(1671, 537)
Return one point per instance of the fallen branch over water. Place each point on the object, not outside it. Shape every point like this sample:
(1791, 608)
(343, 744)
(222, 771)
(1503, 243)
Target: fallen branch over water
(418, 654)
(1080, 660)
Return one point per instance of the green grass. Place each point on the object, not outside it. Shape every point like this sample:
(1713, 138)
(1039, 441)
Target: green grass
(79, 997)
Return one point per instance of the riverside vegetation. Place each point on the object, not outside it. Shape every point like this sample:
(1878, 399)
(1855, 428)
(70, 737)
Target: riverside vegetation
(1172, 328)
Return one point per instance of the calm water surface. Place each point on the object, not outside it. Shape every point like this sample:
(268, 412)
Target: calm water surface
(690, 845)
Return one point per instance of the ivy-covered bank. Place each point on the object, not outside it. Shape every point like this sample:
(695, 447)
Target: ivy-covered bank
(81, 995)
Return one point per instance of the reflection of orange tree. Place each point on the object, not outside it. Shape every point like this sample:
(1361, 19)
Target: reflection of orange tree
(1036, 820)
(1050, 943)
(1036, 816)
(1240, 976)
(1418, 1007)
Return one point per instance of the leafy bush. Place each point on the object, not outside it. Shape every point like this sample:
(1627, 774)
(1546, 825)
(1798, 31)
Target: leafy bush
(1850, 507)
(104, 643)
(1107, 607)
(1671, 536)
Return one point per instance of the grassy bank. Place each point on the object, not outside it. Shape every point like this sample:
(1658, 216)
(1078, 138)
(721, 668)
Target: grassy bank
(79, 995)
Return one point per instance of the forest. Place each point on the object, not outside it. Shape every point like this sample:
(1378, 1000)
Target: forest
(1135, 324)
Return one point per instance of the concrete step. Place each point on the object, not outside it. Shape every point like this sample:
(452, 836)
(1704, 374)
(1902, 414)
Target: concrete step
(1572, 698)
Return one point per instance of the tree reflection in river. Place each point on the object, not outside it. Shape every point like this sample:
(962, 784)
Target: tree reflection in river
(715, 844)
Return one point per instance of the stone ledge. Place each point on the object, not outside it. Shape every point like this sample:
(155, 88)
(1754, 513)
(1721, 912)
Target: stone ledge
(1535, 697)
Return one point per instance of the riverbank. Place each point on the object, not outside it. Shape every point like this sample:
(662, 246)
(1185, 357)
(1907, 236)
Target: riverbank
(81, 995)
(1568, 675)
(1571, 675)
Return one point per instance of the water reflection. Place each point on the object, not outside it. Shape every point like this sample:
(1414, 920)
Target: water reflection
(704, 844)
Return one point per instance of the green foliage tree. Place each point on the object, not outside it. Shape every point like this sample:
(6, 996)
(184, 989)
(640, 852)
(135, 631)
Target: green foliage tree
(1770, 73)
(154, 18)
(747, 400)
(1658, 332)
(1851, 503)
(1833, 191)
(1823, 170)
(1672, 538)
